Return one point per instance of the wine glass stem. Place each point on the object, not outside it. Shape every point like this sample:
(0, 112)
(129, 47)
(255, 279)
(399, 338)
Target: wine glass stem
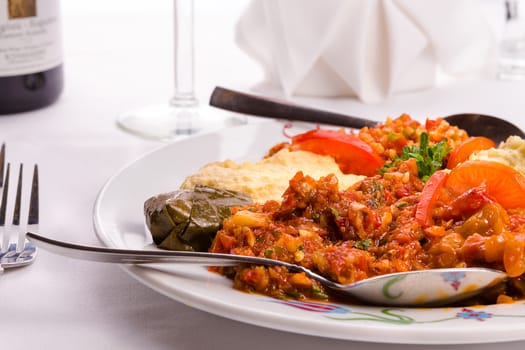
(511, 7)
(184, 95)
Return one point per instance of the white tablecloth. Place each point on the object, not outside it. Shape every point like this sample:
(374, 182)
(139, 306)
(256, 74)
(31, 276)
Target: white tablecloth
(117, 58)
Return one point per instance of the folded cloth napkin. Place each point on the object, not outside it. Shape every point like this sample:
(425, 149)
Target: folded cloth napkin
(369, 49)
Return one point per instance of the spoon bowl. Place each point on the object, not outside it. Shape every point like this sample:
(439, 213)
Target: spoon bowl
(414, 288)
(494, 128)
(474, 124)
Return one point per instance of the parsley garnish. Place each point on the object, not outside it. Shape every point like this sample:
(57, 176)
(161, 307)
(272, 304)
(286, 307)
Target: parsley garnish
(428, 158)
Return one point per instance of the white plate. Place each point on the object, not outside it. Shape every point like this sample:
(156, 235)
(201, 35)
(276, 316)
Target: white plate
(119, 223)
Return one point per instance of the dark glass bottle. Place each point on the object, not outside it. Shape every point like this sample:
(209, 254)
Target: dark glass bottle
(31, 72)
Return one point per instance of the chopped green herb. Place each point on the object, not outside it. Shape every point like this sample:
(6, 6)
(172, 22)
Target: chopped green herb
(428, 158)
(294, 294)
(363, 244)
(334, 212)
(392, 136)
(317, 292)
(268, 253)
(401, 204)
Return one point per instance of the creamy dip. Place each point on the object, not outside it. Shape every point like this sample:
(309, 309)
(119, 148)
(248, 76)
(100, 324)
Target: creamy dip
(511, 153)
(268, 178)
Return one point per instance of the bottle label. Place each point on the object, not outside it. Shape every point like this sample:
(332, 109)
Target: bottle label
(30, 36)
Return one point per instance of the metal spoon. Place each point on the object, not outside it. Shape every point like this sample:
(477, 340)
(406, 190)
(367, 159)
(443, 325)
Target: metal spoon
(475, 124)
(415, 288)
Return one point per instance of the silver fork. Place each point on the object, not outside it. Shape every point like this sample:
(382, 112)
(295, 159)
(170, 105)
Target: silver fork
(21, 252)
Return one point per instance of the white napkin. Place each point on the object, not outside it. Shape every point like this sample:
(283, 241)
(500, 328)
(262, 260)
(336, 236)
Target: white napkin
(365, 48)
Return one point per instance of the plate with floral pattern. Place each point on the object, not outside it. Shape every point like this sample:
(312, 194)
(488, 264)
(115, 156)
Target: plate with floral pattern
(119, 223)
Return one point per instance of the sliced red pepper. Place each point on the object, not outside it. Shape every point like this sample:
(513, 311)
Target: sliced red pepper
(353, 155)
(429, 196)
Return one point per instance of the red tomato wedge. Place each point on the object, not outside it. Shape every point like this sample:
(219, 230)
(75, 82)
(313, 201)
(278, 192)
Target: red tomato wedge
(429, 195)
(462, 152)
(353, 155)
(503, 184)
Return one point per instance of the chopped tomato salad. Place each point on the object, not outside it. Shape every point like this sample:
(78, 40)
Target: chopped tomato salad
(422, 205)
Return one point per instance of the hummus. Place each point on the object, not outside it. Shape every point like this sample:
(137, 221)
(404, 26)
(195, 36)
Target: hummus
(268, 178)
(511, 153)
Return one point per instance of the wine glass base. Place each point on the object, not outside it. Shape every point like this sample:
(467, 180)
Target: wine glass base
(165, 122)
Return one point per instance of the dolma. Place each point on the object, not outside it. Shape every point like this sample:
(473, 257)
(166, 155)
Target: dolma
(189, 219)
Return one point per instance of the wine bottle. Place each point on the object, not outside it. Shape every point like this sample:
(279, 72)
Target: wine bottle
(31, 73)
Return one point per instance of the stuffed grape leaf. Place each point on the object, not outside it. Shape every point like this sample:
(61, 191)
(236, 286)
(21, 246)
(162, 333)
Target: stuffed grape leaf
(189, 219)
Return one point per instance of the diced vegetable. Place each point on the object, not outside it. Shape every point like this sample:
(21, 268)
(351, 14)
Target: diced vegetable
(250, 219)
(488, 221)
(514, 256)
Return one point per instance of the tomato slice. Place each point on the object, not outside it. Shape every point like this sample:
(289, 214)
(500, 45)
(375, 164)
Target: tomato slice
(429, 195)
(353, 155)
(503, 184)
(462, 152)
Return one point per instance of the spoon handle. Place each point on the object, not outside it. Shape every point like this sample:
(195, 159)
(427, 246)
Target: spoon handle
(132, 256)
(240, 102)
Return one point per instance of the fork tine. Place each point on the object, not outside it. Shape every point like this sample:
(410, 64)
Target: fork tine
(33, 216)
(2, 164)
(18, 198)
(3, 209)
(3, 204)
(18, 208)
(22, 252)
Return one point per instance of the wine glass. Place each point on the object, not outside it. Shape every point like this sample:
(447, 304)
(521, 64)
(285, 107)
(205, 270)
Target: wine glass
(181, 115)
(512, 46)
